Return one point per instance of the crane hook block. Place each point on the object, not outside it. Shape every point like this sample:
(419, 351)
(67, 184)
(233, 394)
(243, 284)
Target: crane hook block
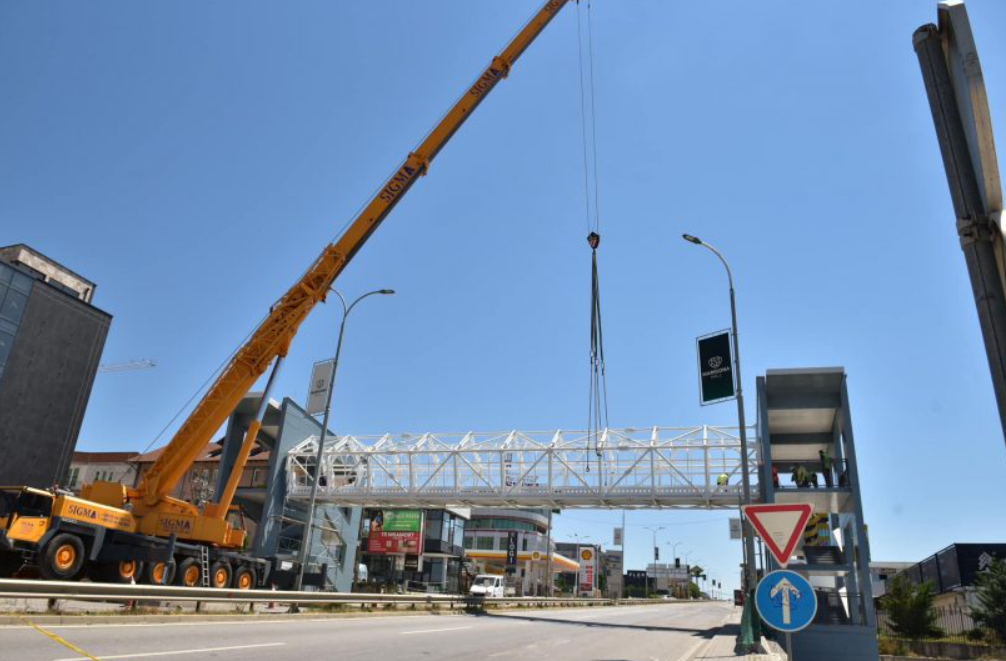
(594, 239)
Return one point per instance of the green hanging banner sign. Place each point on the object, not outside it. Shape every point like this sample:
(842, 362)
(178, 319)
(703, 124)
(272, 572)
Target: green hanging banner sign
(716, 368)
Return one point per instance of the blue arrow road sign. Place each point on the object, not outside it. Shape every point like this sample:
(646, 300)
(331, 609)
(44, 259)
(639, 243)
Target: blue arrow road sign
(786, 601)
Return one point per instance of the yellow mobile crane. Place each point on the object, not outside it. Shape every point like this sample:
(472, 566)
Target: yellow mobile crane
(117, 533)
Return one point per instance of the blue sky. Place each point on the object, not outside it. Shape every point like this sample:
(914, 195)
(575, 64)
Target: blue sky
(192, 158)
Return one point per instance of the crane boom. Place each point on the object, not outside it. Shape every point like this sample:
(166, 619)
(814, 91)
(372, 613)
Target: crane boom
(272, 338)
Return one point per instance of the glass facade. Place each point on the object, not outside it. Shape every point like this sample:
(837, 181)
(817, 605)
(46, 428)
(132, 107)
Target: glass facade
(500, 524)
(444, 533)
(14, 290)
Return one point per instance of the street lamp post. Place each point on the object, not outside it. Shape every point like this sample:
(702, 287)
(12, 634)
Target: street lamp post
(654, 530)
(749, 557)
(305, 541)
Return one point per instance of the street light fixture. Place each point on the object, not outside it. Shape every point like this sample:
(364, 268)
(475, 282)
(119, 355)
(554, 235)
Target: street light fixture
(749, 556)
(305, 541)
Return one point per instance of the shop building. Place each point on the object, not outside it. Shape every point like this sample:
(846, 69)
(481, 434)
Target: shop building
(415, 550)
(487, 538)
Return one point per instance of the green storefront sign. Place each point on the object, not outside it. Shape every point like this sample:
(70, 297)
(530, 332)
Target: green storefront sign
(716, 368)
(403, 521)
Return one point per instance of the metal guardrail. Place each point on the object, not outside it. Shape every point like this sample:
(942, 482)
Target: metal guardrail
(35, 589)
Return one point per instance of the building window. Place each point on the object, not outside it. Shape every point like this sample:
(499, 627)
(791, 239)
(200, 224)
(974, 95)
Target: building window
(74, 474)
(484, 543)
(468, 542)
(524, 544)
(13, 306)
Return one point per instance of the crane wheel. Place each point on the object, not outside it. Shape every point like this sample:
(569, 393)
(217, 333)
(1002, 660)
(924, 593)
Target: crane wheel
(220, 574)
(189, 574)
(159, 573)
(62, 558)
(244, 578)
(124, 571)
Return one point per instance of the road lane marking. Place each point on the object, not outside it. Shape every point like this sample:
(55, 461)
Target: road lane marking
(172, 652)
(65, 643)
(409, 633)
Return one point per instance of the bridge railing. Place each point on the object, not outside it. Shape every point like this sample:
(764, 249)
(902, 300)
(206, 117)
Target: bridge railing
(87, 591)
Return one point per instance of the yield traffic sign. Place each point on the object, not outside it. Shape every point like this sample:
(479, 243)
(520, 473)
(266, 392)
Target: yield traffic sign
(779, 526)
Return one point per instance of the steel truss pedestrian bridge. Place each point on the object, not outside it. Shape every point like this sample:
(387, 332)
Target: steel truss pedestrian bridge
(621, 468)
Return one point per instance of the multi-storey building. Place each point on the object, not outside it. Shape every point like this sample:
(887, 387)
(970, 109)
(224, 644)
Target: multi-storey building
(88, 467)
(51, 339)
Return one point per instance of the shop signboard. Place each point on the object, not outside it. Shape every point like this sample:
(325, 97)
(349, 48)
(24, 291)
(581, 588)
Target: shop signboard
(321, 380)
(716, 374)
(511, 552)
(396, 532)
(588, 566)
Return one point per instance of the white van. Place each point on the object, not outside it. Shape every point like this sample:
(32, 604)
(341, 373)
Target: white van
(488, 585)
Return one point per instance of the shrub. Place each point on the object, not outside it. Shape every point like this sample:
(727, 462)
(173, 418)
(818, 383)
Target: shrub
(893, 646)
(911, 609)
(991, 593)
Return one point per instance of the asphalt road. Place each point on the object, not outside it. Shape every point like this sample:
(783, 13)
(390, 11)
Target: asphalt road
(669, 632)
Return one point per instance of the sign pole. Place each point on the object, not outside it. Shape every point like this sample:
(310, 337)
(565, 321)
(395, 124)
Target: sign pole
(789, 647)
(548, 562)
(745, 475)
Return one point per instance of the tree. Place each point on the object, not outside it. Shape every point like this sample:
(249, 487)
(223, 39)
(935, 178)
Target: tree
(910, 608)
(991, 593)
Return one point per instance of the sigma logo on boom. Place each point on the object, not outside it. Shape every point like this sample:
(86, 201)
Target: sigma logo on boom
(398, 183)
(81, 512)
(485, 81)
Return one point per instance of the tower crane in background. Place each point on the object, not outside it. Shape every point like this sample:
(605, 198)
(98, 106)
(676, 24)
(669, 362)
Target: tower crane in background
(129, 366)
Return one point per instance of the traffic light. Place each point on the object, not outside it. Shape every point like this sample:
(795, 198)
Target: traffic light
(677, 563)
(656, 553)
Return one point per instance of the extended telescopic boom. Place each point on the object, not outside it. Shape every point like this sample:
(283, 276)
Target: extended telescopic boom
(271, 340)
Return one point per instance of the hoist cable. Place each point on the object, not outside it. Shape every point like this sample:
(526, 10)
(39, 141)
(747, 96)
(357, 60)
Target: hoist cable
(583, 124)
(593, 114)
(597, 414)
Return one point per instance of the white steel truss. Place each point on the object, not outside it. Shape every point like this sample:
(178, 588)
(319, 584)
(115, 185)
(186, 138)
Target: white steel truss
(625, 468)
